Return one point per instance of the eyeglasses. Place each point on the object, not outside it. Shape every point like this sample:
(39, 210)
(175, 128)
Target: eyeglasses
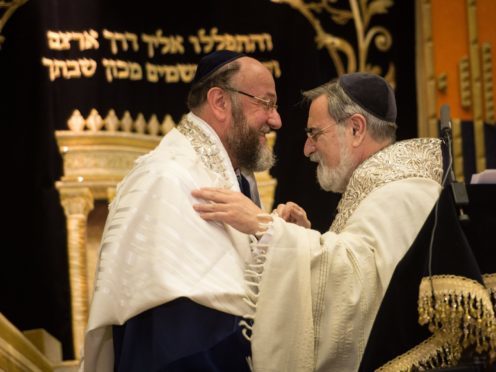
(268, 104)
(314, 133)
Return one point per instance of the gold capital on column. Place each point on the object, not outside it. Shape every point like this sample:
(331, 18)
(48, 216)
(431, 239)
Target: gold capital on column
(77, 203)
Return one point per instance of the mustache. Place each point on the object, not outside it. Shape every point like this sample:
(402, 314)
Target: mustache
(265, 129)
(315, 157)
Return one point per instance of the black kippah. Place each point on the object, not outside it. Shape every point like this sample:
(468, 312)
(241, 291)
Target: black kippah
(213, 61)
(372, 93)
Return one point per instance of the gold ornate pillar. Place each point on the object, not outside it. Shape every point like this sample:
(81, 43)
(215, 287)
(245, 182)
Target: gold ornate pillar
(77, 203)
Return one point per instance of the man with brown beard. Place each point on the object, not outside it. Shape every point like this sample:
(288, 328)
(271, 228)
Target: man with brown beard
(170, 287)
(317, 294)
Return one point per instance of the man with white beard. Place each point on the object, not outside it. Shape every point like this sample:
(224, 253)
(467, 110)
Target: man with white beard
(316, 295)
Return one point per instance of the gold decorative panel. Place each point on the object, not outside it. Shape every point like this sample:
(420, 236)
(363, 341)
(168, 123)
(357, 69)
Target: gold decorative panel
(455, 39)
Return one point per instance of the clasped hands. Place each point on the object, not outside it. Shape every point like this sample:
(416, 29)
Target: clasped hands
(235, 209)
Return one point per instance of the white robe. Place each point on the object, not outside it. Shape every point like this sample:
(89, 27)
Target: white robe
(155, 247)
(319, 294)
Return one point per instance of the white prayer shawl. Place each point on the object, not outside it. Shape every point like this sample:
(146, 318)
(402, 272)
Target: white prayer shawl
(155, 247)
(319, 294)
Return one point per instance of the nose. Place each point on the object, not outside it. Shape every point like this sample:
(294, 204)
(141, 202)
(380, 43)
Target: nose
(274, 120)
(309, 147)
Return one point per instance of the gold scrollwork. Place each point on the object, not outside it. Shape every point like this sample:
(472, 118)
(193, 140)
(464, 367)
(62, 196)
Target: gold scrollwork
(361, 13)
(8, 8)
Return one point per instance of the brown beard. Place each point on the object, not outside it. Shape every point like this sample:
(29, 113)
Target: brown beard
(244, 145)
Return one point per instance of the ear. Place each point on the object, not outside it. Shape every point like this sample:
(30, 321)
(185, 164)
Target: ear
(358, 129)
(218, 102)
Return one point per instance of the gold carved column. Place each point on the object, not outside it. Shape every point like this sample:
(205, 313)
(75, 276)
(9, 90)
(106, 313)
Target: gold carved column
(77, 203)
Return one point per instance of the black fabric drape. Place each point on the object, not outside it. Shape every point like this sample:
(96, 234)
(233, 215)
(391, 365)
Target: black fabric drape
(458, 249)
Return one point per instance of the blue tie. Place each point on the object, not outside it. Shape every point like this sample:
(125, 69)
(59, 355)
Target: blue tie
(244, 186)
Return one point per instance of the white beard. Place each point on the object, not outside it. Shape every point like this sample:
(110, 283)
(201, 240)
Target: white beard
(334, 179)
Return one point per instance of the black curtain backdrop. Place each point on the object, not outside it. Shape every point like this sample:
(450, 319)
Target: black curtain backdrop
(34, 271)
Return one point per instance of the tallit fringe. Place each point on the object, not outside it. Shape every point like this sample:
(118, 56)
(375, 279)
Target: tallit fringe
(253, 274)
(459, 312)
(461, 308)
(435, 352)
(490, 283)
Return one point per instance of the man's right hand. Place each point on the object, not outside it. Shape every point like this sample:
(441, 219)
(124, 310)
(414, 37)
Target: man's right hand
(292, 212)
